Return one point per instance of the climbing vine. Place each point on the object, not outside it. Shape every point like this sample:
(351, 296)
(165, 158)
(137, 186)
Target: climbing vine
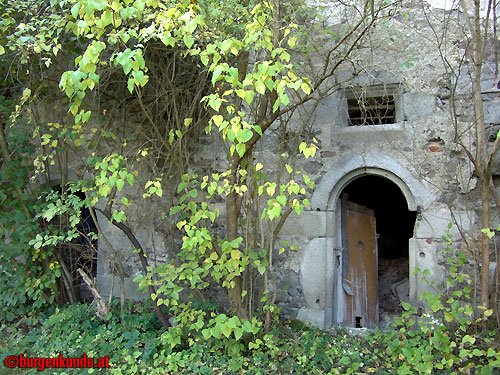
(142, 81)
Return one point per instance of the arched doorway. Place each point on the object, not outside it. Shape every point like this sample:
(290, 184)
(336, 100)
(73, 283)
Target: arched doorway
(376, 226)
(78, 253)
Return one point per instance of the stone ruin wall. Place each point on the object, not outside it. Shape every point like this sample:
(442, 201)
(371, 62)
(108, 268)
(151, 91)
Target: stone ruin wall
(432, 176)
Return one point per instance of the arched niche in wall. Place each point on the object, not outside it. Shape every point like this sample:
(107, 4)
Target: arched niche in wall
(79, 253)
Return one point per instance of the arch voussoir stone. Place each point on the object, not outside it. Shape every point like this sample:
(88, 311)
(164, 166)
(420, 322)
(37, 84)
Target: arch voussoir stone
(354, 165)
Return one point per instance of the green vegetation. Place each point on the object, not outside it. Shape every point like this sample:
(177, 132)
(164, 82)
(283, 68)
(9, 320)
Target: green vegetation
(122, 89)
(105, 98)
(449, 339)
(136, 344)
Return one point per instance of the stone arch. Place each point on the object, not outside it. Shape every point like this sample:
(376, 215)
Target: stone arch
(354, 165)
(371, 171)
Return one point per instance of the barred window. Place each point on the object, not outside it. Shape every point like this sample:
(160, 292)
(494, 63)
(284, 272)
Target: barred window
(375, 110)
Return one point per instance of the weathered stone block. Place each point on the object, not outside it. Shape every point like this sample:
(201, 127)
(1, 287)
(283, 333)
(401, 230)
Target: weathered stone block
(492, 112)
(425, 255)
(313, 316)
(329, 111)
(310, 224)
(417, 106)
(131, 291)
(315, 269)
(435, 221)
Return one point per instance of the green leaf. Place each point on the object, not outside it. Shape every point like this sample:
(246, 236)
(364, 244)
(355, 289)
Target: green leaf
(168, 40)
(182, 186)
(299, 208)
(468, 339)
(477, 352)
(249, 96)
(244, 135)
(271, 189)
(281, 199)
(226, 331)
(233, 322)
(305, 87)
(260, 87)
(191, 26)
(119, 184)
(240, 149)
(130, 85)
(106, 18)
(406, 306)
(188, 40)
(257, 129)
(140, 78)
(75, 9)
(207, 333)
(216, 74)
(488, 232)
(241, 93)
(204, 59)
(175, 209)
(130, 179)
(238, 332)
(448, 317)
(217, 119)
(9, 316)
(345, 360)
(125, 60)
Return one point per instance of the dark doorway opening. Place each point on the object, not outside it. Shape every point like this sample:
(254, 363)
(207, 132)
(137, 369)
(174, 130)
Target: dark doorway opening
(79, 253)
(85, 250)
(394, 227)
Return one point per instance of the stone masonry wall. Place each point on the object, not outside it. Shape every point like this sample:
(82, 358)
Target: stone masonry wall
(417, 153)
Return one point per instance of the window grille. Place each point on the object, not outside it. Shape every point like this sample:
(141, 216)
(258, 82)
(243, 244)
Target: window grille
(376, 110)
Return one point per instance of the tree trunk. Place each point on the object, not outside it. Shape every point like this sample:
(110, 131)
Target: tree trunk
(481, 160)
(236, 300)
(485, 244)
(233, 204)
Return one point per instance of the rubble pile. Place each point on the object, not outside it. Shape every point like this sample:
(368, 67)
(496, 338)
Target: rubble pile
(393, 284)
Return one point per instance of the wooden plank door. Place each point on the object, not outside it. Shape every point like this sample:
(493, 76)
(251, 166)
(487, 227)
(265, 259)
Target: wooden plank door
(361, 291)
